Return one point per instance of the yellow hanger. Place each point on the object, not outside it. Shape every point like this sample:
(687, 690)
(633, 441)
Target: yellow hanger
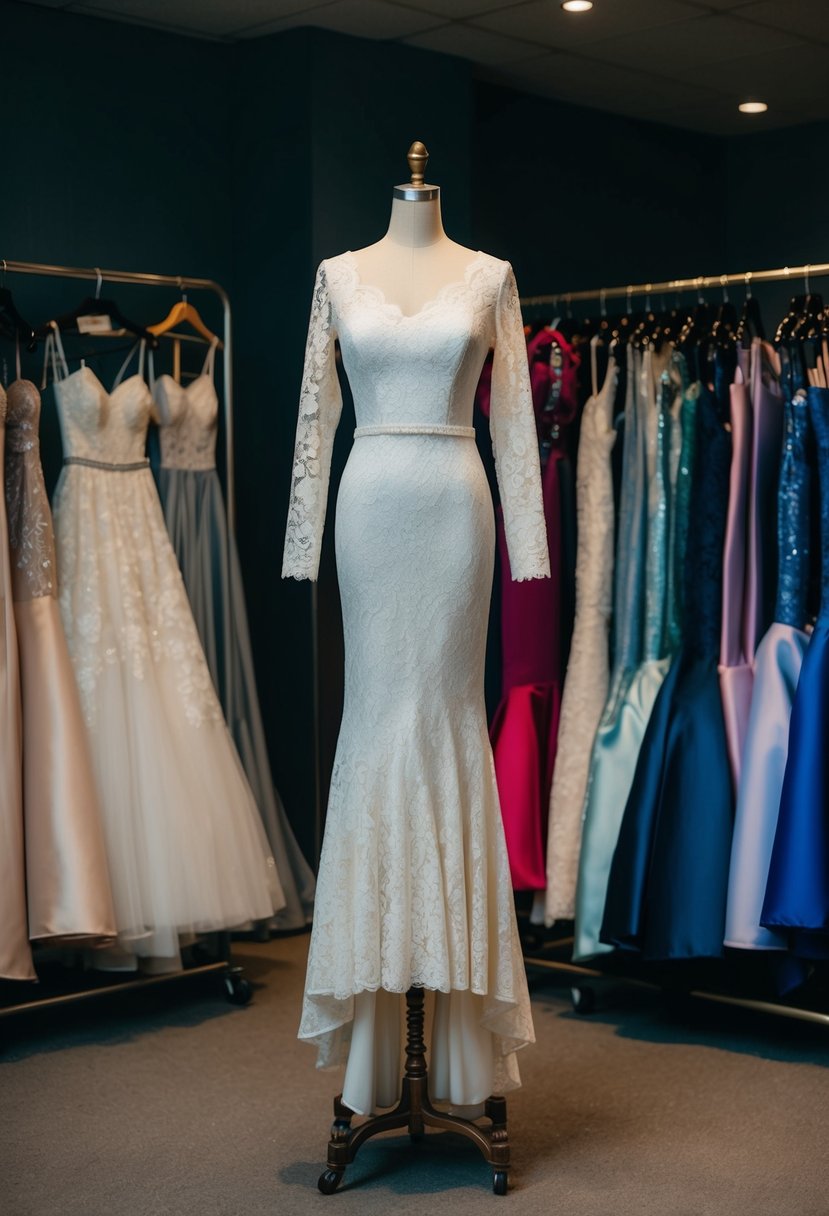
(181, 313)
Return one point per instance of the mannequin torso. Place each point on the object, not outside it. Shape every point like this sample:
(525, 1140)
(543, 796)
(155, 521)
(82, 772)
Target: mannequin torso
(415, 259)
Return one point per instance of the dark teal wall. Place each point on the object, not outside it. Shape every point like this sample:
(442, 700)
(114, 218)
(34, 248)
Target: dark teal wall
(249, 163)
(114, 154)
(579, 199)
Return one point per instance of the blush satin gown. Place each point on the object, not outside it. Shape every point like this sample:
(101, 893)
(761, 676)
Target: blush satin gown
(67, 875)
(414, 883)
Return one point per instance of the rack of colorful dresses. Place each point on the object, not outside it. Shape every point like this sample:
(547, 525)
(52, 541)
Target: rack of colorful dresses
(686, 840)
(101, 862)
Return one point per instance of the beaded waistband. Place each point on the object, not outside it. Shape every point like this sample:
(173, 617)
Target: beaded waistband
(132, 467)
(416, 428)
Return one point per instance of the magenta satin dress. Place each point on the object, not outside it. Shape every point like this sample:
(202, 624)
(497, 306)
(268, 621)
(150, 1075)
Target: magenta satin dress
(748, 561)
(525, 725)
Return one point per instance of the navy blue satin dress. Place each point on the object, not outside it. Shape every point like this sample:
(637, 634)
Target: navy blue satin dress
(668, 881)
(797, 891)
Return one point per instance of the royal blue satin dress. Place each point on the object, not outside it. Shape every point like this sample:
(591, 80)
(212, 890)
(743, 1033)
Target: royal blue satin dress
(667, 888)
(776, 673)
(797, 892)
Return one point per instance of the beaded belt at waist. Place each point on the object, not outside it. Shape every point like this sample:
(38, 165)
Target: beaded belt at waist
(131, 467)
(416, 428)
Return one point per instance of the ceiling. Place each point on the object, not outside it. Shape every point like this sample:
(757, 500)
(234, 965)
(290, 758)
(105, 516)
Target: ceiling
(684, 62)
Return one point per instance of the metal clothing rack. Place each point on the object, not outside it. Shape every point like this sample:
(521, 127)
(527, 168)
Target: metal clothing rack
(238, 989)
(183, 283)
(702, 283)
(550, 955)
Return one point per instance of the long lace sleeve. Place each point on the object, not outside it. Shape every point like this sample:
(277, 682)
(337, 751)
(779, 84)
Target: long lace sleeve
(320, 406)
(514, 440)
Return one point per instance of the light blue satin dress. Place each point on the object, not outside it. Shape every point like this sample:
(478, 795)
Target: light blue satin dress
(650, 467)
(777, 671)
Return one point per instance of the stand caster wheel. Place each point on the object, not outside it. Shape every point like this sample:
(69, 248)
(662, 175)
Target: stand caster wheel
(329, 1180)
(583, 999)
(238, 989)
(499, 1182)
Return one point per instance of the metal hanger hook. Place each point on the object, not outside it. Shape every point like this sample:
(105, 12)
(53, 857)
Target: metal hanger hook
(603, 302)
(806, 276)
(748, 285)
(99, 282)
(180, 282)
(629, 294)
(569, 309)
(4, 272)
(724, 285)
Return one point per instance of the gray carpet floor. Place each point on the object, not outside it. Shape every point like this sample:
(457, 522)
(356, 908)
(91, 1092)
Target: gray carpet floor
(178, 1104)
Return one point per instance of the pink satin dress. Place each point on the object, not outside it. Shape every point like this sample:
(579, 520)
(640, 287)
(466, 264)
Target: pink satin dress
(525, 725)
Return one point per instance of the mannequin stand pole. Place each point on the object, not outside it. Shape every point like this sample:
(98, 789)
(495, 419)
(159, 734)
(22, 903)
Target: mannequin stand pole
(415, 1112)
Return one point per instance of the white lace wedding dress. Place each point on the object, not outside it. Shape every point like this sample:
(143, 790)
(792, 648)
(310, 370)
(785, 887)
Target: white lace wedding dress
(588, 669)
(414, 884)
(185, 844)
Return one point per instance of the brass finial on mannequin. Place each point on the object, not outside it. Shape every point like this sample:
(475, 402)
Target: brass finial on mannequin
(416, 190)
(418, 158)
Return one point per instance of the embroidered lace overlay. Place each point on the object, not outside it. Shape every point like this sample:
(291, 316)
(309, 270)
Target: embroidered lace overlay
(414, 884)
(185, 844)
(588, 670)
(31, 539)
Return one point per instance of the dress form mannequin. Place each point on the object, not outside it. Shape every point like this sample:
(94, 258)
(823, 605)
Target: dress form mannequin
(415, 259)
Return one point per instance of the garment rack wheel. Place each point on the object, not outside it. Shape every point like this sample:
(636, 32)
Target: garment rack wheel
(414, 1113)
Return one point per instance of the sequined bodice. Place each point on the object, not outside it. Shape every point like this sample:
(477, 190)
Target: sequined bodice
(102, 426)
(31, 538)
(706, 531)
(793, 515)
(819, 415)
(188, 421)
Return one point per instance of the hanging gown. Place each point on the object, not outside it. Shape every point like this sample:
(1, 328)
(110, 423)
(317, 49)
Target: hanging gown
(756, 422)
(640, 666)
(797, 893)
(414, 883)
(777, 671)
(588, 669)
(524, 728)
(667, 887)
(67, 875)
(186, 848)
(194, 511)
(15, 952)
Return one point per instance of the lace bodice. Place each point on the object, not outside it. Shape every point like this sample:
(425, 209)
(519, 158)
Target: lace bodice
(188, 420)
(417, 373)
(97, 425)
(31, 537)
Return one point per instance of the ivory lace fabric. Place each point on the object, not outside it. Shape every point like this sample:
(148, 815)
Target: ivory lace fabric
(414, 884)
(186, 848)
(588, 669)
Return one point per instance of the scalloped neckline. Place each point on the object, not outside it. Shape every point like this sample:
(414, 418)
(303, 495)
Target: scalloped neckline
(396, 311)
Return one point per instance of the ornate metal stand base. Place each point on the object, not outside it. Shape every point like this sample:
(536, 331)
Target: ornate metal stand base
(416, 1113)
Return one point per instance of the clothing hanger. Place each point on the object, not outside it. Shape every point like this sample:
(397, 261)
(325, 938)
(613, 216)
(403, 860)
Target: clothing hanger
(94, 306)
(185, 313)
(12, 325)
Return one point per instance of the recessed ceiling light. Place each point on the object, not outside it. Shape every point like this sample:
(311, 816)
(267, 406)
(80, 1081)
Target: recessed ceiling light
(577, 6)
(752, 107)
